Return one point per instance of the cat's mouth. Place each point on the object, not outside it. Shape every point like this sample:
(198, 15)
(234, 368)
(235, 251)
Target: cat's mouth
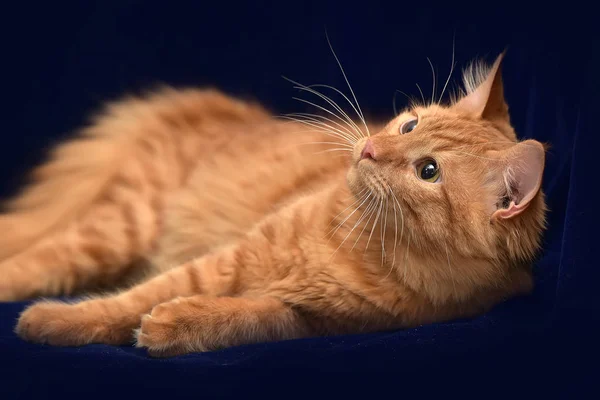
(376, 185)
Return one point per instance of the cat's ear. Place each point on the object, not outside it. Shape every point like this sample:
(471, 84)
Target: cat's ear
(521, 168)
(485, 92)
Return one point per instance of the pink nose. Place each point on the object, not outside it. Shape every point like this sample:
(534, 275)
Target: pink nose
(368, 151)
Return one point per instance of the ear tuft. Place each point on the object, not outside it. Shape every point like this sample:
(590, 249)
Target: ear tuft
(484, 91)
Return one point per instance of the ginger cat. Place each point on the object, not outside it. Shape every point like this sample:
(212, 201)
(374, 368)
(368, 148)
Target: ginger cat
(253, 230)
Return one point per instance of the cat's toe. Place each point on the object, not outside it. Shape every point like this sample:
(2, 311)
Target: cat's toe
(161, 332)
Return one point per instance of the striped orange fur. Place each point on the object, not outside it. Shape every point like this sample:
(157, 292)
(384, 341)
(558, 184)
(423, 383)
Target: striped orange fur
(238, 228)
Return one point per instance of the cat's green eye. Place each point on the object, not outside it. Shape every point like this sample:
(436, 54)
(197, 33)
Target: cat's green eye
(428, 171)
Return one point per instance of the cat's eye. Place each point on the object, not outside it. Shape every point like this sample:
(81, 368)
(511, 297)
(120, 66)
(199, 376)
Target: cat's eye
(408, 126)
(428, 171)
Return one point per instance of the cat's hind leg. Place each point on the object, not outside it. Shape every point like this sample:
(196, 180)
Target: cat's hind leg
(97, 251)
(112, 319)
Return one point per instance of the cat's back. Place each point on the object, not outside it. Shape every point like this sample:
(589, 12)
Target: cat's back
(245, 170)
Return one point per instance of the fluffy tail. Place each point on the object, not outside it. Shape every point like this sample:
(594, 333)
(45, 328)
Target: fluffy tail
(75, 175)
(135, 139)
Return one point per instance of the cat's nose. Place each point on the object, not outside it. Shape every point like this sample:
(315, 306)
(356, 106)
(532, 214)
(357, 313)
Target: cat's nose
(368, 151)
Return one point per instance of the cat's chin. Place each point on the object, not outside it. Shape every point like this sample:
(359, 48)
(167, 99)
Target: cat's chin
(356, 182)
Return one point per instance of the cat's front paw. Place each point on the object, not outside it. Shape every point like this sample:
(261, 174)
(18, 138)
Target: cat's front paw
(60, 324)
(172, 328)
(54, 323)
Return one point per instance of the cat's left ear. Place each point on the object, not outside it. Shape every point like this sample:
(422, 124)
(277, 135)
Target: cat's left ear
(520, 169)
(487, 100)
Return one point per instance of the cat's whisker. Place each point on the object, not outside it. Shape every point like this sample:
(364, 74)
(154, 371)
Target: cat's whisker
(331, 150)
(395, 237)
(451, 70)
(335, 106)
(374, 223)
(406, 254)
(348, 217)
(319, 128)
(309, 117)
(433, 84)
(370, 215)
(360, 197)
(420, 91)
(322, 127)
(474, 155)
(383, 231)
(336, 143)
(401, 213)
(329, 100)
(451, 272)
(344, 96)
(340, 126)
(362, 117)
(327, 111)
(343, 145)
(411, 100)
(505, 142)
(371, 204)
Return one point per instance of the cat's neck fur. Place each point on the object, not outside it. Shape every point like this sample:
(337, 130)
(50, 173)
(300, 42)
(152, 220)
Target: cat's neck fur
(387, 252)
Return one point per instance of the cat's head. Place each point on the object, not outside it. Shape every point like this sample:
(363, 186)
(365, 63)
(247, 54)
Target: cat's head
(466, 191)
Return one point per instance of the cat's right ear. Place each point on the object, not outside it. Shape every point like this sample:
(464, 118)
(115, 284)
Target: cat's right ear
(520, 168)
(485, 92)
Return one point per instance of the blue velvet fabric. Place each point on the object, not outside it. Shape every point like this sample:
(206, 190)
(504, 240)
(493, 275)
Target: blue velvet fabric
(60, 62)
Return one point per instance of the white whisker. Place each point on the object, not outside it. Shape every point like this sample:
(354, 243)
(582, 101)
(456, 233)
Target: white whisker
(348, 83)
(342, 94)
(370, 214)
(401, 214)
(324, 118)
(327, 111)
(395, 238)
(361, 196)
(451, 70)
(420, 91)
(374, 223)
(411, 100)
(451, 273)
(406, 254)
(339, 144)
(323, 124)
(335, 106)
(383, 232)
(330, 101)
(348, 217)
(354, 227)
(433, 88)
(331, 150)
(322, 129)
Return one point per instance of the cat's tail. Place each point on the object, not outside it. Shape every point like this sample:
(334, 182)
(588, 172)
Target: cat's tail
(61, 188)
(94, 207)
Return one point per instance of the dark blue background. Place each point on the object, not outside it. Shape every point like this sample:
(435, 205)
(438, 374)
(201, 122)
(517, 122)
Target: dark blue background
(61, 61)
